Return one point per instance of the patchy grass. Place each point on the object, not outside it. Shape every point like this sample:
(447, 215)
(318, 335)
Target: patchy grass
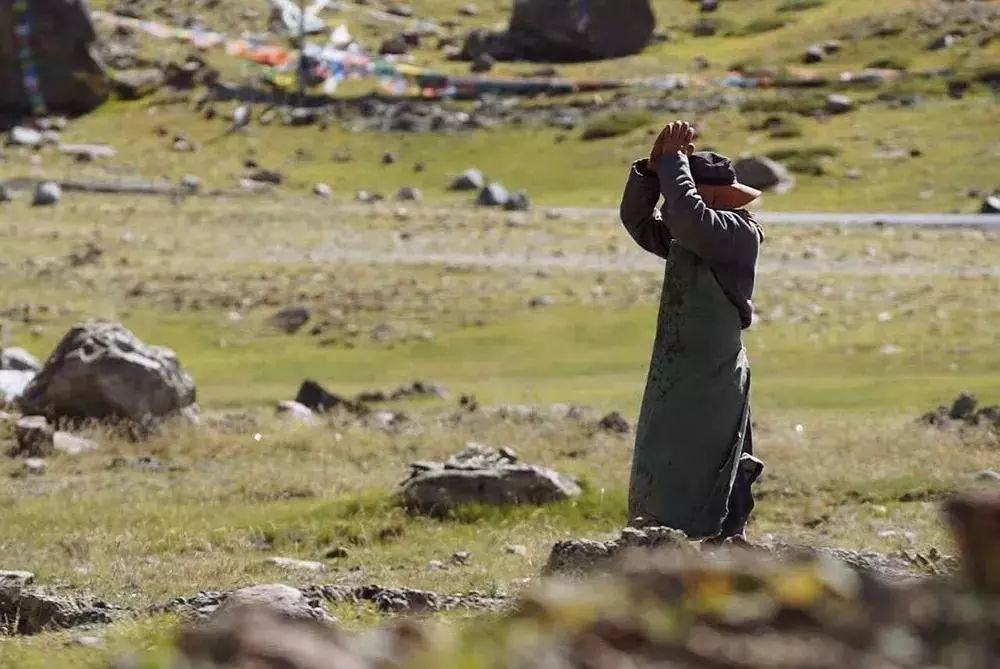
(615, 124)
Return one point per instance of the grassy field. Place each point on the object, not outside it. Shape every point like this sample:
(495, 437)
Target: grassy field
(846, 357)
(859, 331)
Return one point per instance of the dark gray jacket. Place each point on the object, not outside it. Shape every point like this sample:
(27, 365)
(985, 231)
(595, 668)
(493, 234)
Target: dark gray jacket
(728, 241)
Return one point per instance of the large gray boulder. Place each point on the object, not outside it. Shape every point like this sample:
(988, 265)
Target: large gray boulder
(103, 371)
(281, 600)
(763, 173)
(61, 36)
(480, 475)
(581, 29)
(568, 30)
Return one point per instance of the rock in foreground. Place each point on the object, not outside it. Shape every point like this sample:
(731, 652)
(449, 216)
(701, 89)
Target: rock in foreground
(102, 371)
(480, 475)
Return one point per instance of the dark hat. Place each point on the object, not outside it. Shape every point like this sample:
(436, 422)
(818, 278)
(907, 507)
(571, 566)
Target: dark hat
(715, 170)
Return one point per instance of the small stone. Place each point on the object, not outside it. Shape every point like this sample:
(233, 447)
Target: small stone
(409, 194)
(290, 319)
(336, 553)
(615, 422)
(814, 54)
(988, 476)
(87, 641)
(516, 549)
(19, 359)
(34, 437)
(461, 557)
(322, 190)
(16, 579)
(837, 103)
(292, 410)
(34, 466)
(23, 136)
(293, 564)
(47, 193)
(190, 183)
(541, 301)
(484, 62)
(493, 195)
(389, 158)
(519, 201)
(469, 9)
(69, 444)
(991, 205)
(469, 180)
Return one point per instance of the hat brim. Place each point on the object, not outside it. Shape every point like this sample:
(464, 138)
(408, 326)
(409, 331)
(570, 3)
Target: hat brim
(733, 196)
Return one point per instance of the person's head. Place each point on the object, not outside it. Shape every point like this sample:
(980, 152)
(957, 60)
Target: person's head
(716, 181)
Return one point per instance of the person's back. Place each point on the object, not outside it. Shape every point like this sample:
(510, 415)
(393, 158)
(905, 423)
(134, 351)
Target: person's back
(693, 463)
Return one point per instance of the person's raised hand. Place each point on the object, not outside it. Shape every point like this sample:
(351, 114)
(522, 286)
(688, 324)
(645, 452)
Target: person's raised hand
(676, 137)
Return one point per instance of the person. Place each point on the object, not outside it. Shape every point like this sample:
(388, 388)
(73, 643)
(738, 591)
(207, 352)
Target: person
(693, 464)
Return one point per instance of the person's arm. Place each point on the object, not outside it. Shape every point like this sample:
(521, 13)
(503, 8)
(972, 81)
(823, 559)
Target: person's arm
(638, 210)
(714, 236)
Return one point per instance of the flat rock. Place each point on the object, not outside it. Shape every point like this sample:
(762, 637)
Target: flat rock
(493, 195)
(34, 609)
(87, 152)
(292, 410)
(577, 556)
(70, 444)
(293, 564)
(279, 599)
(24, 136)
(16, 578)
(482, 476)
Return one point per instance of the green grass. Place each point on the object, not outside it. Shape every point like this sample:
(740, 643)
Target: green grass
(615, 124)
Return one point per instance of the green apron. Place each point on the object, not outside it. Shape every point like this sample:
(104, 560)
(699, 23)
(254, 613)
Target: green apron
(696, 408)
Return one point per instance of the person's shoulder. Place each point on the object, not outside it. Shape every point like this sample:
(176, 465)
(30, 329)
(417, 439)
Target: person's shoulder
(750, 223)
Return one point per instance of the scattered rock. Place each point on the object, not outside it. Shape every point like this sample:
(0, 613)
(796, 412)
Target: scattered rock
(480, 475)
(615, 422)
(396, 45)
(137, 83)
(336, 553)
(13, 383)
(32, 610)
(294, 411)
(409, 194)
(763, 173)
(47, 193)
(16, 579)
(471, 179)
(34, 437)
(295, 565)
(389, 158)
(519, 201)
(814, 54)
(965, 410)
(484, 62)
(5, 194)
(87, 153)
(493, 195)
(34, 467)
(282, 600)
(190, 183)
(541, 301)
(461, 557)
(577, 556)
(991, 205)
(322, 190)
(408, 391)
(516, 549)
(18, 359)
(704, 28)
(69, 444)
(103, 371)
(837, 103)
(273, 177)
(988, 476)
(290, 319)
(22, 136)
(317, 398)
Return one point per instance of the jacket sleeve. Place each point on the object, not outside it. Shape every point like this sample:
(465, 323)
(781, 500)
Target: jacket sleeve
(639, 214)
(714, 236)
